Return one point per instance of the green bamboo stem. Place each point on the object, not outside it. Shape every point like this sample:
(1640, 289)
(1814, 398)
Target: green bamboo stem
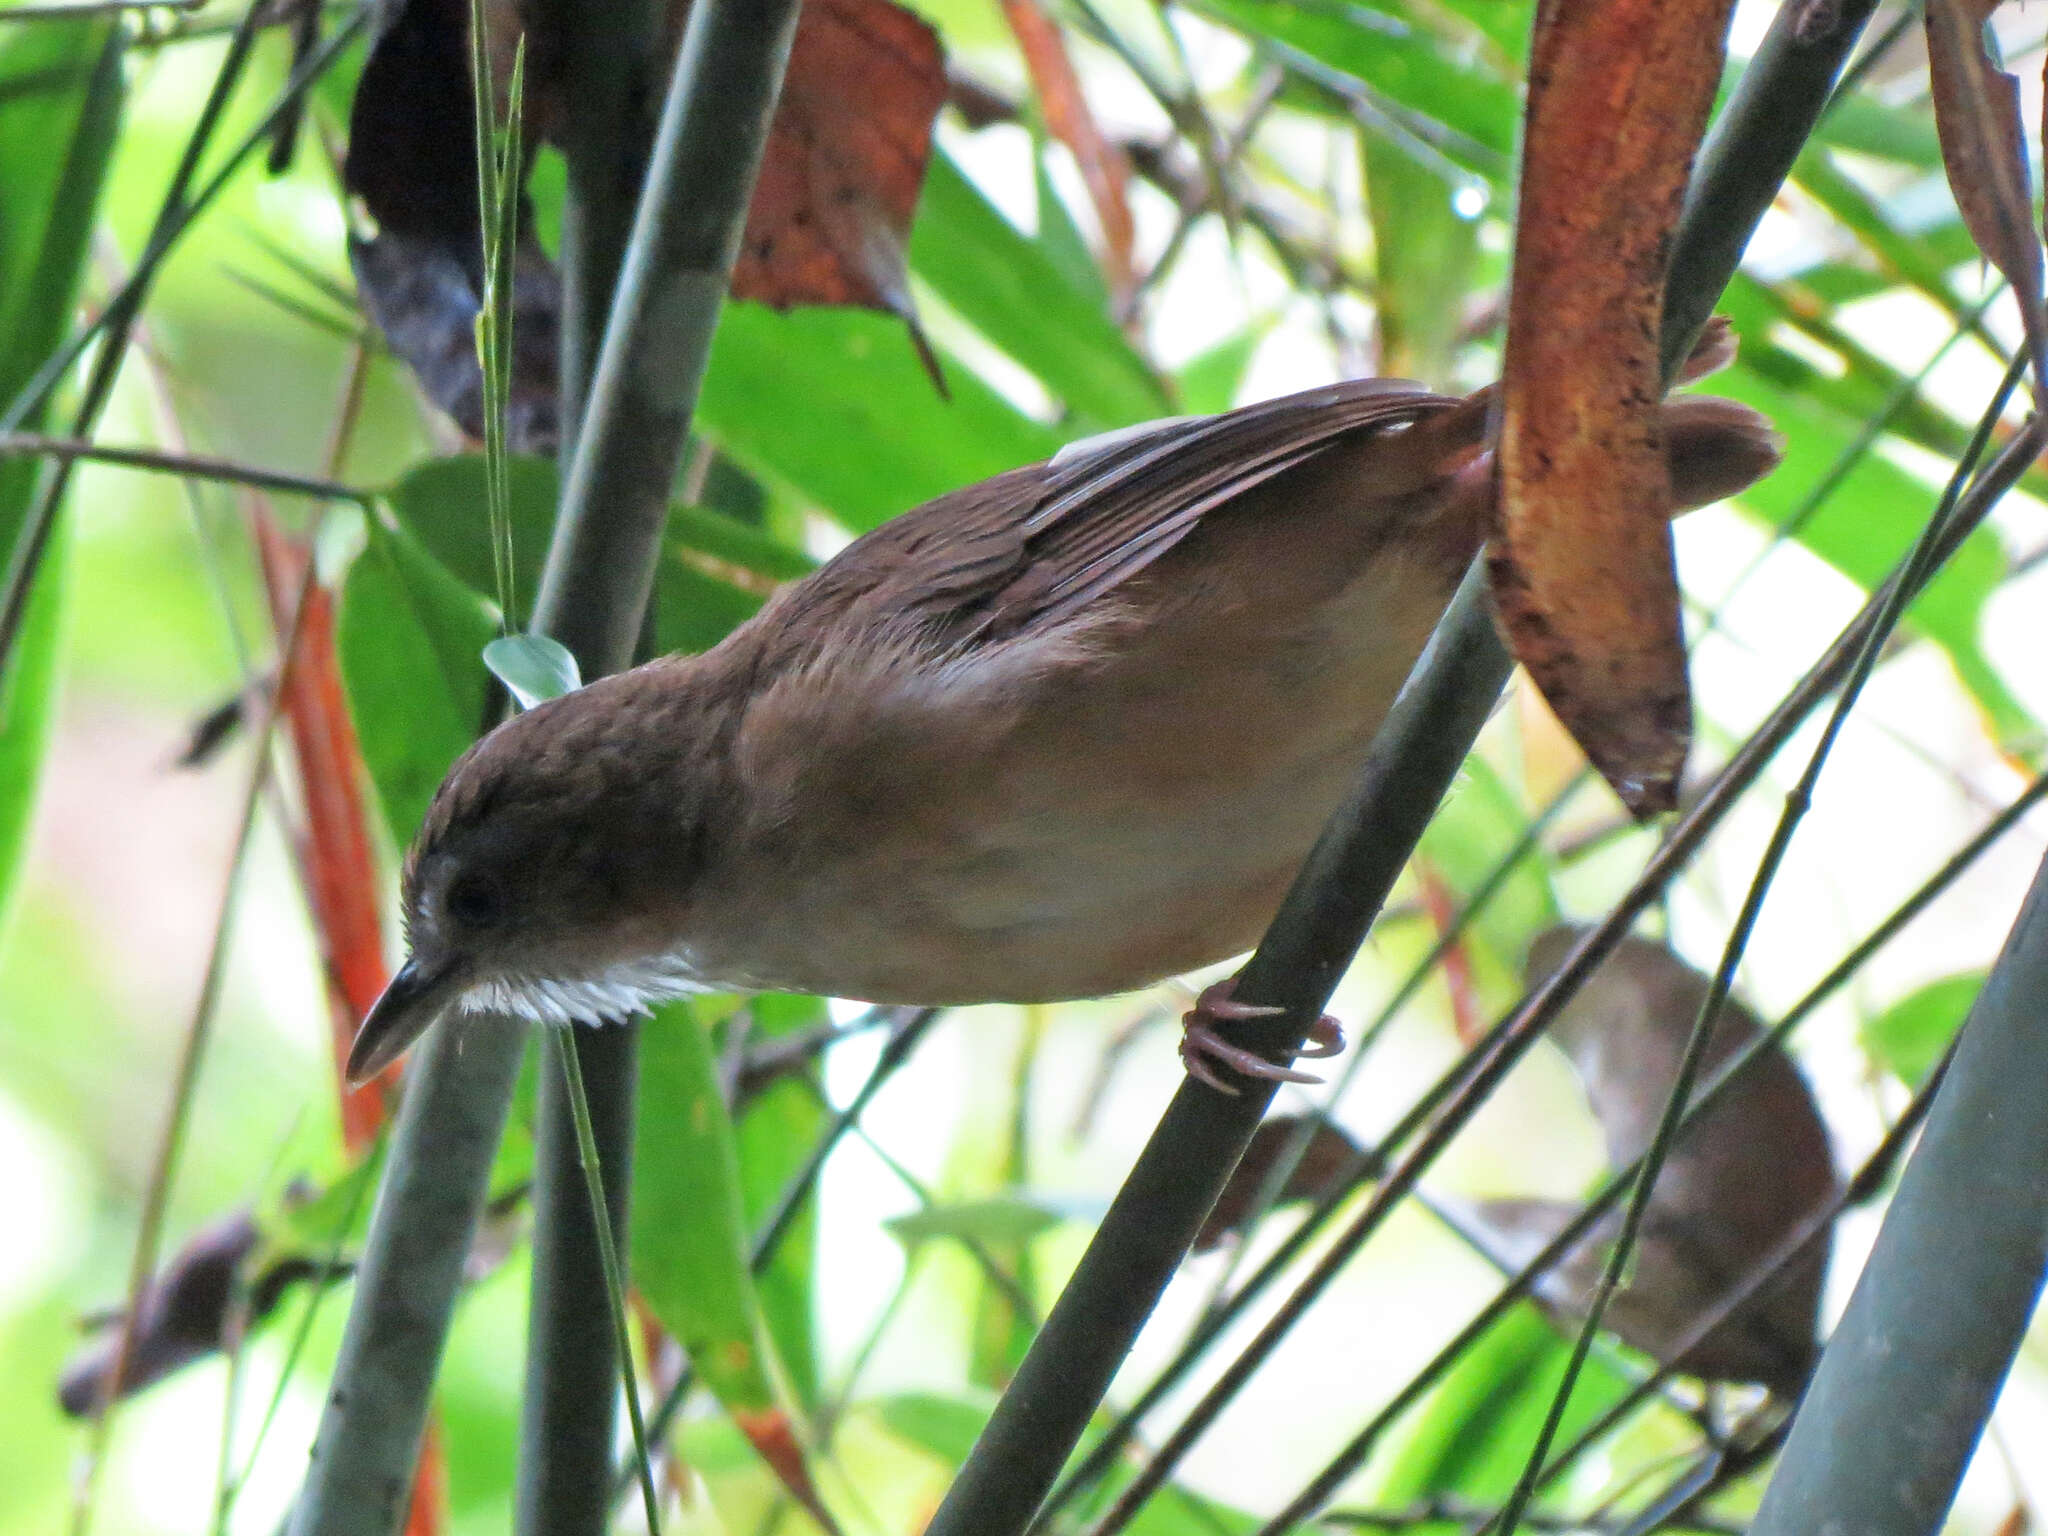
(593, 593)
(1907, 1382)
(568, 1418)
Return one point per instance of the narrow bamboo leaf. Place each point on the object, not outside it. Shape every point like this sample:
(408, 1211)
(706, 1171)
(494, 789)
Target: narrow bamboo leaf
(1424, 251)
(1872, 518)
(533, 667)
(61, 93)
(995, 1219)
(1209, 382)
(861, 435)
(1474, 110)
(411, 639)
(1907, 256)
(1910, 1036)
(689, 1244)
(1861, 122)
(1016, 294)
(1472, 1437)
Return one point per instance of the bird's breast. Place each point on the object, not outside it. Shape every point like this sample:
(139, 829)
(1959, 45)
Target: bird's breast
(1132, 808)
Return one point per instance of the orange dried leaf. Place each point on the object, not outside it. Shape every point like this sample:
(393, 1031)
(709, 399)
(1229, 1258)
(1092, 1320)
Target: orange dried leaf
(775, 1439)
(1977, 118)
(339, 868)
(845, 160)
(1582, 570)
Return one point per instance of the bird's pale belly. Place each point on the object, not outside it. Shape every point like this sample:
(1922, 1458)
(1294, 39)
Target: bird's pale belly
(1125, 831)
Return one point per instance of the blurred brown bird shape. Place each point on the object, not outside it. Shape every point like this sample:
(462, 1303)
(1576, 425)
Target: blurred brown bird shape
(1063, 733)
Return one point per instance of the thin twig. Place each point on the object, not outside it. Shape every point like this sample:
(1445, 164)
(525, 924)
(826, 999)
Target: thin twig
(184, 1081)
(198, 466)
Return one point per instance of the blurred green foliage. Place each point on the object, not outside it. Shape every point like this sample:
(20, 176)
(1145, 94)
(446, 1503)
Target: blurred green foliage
(1368, 154)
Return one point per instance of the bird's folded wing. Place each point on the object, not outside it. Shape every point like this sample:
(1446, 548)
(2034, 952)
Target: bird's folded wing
(1021, 552)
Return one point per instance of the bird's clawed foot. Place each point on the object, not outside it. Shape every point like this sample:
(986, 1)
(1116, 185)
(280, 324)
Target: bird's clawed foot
(1203, 1050)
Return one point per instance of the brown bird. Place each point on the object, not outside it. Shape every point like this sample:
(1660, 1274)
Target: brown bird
(1063, 733)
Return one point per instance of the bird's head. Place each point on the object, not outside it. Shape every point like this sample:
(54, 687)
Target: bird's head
(546, 879)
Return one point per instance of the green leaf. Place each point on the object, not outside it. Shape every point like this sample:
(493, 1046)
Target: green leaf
(1910, 1036)
(1869, 523)
(1428, 87)
(1016, 294)
(994, 1219)
(1861, 122)
(445, 504)
(60, 102)
(533, 667)
(946, 1427)
(411, 638)
(1209, 381)
(1424, 252)
(1472, 1437)
(833, 404)
(731, 542)
(1905, 254)
(689, 1246)
(1061, 238)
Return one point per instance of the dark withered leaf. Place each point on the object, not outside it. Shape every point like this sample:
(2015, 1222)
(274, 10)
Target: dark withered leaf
(1329, 1162)
(829, 223)
(184, 1316)
(1752, 1173)
(830, 220)
(1983, 150)
(212, 731)
(424, 300)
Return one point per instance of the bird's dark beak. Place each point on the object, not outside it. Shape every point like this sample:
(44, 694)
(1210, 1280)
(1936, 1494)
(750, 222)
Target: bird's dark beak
(414, 999)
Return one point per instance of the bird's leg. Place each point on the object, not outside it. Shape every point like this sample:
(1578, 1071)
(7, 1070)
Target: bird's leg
(1203, 1049)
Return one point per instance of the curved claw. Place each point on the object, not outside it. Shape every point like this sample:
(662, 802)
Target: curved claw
(1325, 1038)
(1203, 1050)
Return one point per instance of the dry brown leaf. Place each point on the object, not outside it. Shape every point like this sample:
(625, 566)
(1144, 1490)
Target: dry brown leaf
(1739, 1185)
(187, 1310)
(1977, 118)
(845, 160)
(1104, 169)
(829, 222)
(1582, 570)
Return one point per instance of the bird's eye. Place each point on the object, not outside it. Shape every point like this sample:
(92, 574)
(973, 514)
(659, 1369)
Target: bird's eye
(474, 901)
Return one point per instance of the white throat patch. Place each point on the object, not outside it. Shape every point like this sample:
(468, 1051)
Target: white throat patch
(610, 996)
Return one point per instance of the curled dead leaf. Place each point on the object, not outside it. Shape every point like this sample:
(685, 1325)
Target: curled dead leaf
(186, 1313)
(1582, 570)
(1746, 1180)
(1983, 150)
